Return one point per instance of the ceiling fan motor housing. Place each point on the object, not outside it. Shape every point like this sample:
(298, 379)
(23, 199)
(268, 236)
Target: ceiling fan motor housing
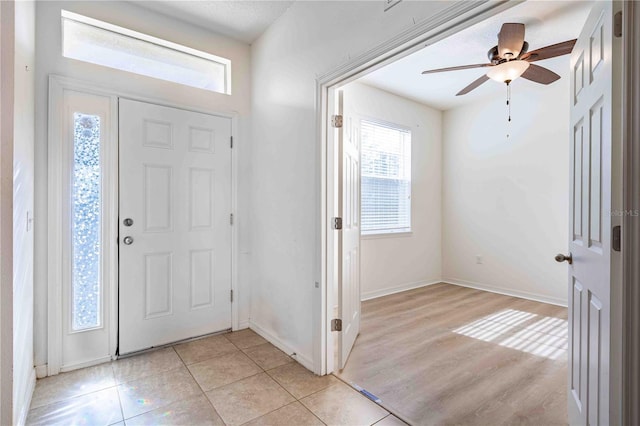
(494, 56)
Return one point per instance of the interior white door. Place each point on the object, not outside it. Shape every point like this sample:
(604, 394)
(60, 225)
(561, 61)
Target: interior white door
(349, 238)
(174, 225)
(590, 220)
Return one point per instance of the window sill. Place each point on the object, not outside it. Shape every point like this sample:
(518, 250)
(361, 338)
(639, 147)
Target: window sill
(386, 235)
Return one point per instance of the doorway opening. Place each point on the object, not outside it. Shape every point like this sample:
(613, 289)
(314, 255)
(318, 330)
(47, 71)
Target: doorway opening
(498, 215)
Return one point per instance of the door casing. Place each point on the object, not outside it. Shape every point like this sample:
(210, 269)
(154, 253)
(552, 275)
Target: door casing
(57, 86)
(455, 18)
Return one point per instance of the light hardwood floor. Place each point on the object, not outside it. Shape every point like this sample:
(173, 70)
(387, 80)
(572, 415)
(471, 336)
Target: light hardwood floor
(446, 354)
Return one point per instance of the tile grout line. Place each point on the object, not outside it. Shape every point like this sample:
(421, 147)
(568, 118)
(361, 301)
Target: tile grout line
(378, 404)
(72, 397)
(287, 391)
(78, 395)
(294, 397)
(286, 405)
(253, 375)
(158, 374)
(113, 372)
(270, 377)
(209, 359)
(263, 371)
(204, 393)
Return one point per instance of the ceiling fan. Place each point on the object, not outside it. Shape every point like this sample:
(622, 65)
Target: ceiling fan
(511, 59)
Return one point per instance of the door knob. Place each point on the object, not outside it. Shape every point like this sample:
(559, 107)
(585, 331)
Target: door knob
(128, 240)
(563, 258)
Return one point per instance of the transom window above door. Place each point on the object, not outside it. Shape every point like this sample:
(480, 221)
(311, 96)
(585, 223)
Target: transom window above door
(101, 43)
(386, 178)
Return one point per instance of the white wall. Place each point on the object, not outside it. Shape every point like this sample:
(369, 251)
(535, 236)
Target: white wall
(50, 61)
(507, 199)
(23, 190)
(7, 57)
(388, 262)
(310, 39)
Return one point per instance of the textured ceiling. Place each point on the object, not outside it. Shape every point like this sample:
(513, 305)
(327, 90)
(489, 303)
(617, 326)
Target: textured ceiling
(547, 22)
(241, 20)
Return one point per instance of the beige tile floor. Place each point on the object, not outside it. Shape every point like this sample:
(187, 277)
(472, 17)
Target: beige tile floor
(235, 378)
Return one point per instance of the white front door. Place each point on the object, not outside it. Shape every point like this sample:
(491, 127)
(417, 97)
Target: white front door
(174, 225)
(590, 220)
(349, 239)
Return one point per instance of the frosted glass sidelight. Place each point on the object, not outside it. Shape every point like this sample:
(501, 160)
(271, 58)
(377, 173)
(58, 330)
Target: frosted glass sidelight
(86, 222)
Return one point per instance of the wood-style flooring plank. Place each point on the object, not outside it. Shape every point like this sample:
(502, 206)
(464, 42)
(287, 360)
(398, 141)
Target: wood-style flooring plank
(445, 354)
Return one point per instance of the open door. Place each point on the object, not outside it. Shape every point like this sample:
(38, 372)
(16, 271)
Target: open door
(349, 238)
(590, 235)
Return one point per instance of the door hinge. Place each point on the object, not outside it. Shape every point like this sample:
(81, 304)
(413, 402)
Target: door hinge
(337, 223)
(616, 238)
(336, 324)
(231, 296)
(231, 138)
(617, 24)
(231, 219)
(336, 121)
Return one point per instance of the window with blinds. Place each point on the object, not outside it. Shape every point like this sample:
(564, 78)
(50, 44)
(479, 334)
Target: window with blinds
(385, 178)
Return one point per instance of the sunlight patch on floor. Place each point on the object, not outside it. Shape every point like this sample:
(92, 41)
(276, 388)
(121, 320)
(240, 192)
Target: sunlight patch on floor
(524, 331)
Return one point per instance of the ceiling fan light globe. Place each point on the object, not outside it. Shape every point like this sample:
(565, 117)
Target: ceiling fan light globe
(508, 71)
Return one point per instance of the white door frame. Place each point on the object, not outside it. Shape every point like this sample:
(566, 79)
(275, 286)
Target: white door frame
(455, 18)
(631, 223)
(57, 86)
(458, 16)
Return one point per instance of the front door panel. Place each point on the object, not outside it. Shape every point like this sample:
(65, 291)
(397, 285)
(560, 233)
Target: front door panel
(175, 235)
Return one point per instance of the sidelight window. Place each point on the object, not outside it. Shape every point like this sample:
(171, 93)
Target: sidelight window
(86, 222)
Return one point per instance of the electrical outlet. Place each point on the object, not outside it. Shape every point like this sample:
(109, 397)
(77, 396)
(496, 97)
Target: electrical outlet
(479, 259)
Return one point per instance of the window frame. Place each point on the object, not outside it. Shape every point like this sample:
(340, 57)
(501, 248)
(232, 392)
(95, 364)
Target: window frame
(67, 348)
(393, 232)
(82, 19)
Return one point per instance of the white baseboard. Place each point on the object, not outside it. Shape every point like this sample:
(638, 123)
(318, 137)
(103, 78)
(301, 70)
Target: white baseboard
(24, 410)
(283, 346)
(506, 291)
(397, 289)
(41, 371)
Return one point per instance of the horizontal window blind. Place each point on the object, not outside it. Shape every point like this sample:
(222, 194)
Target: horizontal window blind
(385, 178)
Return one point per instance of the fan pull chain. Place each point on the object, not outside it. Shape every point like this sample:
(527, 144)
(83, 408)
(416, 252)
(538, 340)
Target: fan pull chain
(508, 106)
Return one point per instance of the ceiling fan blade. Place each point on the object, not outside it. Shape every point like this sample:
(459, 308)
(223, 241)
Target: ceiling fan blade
(510, 40)
(551, 51)
(540, 74)
(473, 85)
(461, 67)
